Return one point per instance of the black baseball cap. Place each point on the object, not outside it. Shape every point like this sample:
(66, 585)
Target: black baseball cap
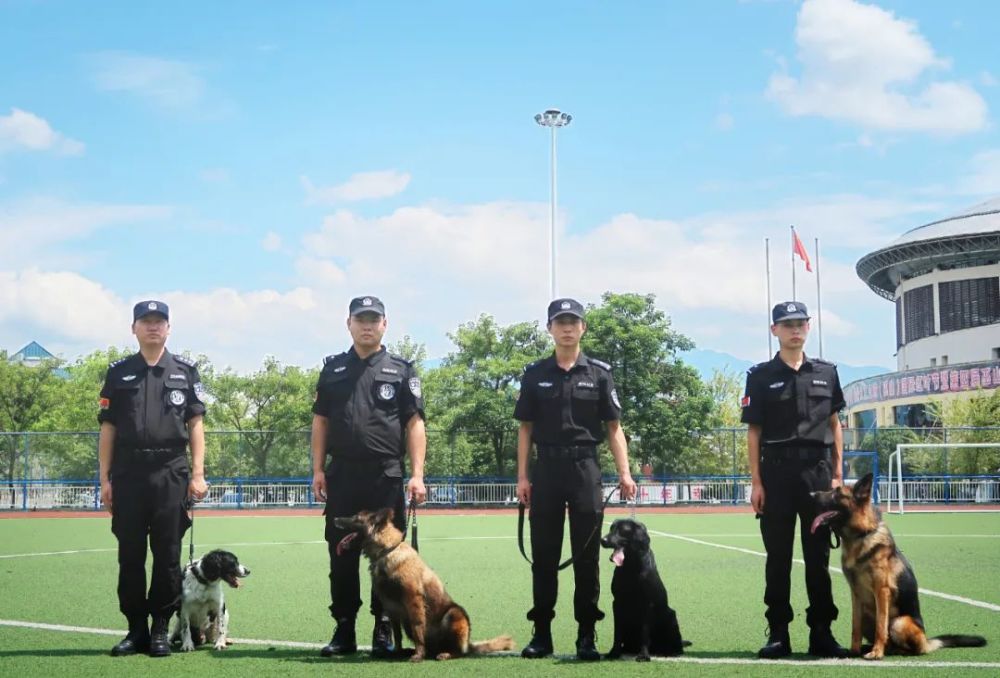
(565, 307)
(367, 304)
(789, 310)
(150, 306)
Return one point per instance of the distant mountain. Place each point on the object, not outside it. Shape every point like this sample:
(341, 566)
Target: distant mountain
(707, 361)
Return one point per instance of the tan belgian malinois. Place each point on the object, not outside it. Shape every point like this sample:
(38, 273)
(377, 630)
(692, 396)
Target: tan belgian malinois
(411, 594)
(884, 603)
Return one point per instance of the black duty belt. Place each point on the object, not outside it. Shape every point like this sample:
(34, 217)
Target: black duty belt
(150, 455)
(566, 451)
(800, 453)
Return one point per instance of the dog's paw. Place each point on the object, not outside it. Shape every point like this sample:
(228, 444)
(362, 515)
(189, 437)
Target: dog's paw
(642, 658)
(221, 645)
(417, 657)
(187, 646)
(874, 655)
(443, 656)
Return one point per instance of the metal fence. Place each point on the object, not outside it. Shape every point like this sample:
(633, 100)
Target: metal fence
(480, 454)
(256, 493)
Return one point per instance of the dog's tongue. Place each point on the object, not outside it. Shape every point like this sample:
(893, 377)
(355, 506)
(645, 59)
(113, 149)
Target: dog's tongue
(820, 519)
(345, 543)
(618, 557)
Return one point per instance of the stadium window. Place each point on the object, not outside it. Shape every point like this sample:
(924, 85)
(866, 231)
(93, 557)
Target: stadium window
(918, 307)
(913, 416)
(969, 303)
(865, 419)
(996, 352)
(899, 322)
(944, 360)
(933, 362)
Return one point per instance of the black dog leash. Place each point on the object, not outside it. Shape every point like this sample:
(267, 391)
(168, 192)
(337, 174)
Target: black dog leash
(411, 515)
(568, 561)
(190, 507)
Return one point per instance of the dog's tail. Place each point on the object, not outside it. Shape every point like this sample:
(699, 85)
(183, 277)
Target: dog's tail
(498, 644)
(954, 640)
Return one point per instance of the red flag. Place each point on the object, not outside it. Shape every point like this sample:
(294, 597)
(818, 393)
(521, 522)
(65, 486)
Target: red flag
(800, 249)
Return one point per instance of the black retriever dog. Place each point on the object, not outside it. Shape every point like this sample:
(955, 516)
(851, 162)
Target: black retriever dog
(645, 624)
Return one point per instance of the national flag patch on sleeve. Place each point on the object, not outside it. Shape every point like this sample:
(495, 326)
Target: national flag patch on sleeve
(745, 402)
(105, 403)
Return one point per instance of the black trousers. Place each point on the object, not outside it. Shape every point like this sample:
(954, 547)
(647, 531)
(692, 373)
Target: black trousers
(148, 506)
(787, 484)
(555, 484)
(353, 486)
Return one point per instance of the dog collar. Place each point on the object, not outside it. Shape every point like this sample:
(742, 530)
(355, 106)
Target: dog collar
(197, 575)
(391, 549)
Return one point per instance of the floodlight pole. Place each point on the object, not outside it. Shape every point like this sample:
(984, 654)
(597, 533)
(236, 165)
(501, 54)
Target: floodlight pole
(553, 118)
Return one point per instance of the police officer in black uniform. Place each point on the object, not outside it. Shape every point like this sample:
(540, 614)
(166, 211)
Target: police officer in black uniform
(563, 401)
(795, 447)
(369, 408)
(150, 412)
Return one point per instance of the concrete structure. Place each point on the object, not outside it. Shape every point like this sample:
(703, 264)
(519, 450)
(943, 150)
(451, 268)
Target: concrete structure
(944, 278)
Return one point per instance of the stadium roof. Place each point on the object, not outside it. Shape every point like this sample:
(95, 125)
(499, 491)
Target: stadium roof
(969, 238)
(33, 351)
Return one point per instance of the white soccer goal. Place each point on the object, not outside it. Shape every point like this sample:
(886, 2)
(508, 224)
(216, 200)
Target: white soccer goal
(898, 492)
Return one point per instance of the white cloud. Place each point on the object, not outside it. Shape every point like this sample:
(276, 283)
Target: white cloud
(862, 64)
(438, 266)
(23, 130)
(166, 83)
(361, 186)
(271, 242)
(987, 79)
(984, 177)
(52, 222)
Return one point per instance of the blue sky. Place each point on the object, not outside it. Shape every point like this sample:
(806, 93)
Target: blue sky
(256, 164)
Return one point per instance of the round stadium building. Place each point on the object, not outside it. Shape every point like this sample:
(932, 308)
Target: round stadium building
(944, 279)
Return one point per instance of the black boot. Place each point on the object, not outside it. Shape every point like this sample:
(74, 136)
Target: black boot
(136, 641)
(778, 645)
(382, 645)
(343, 641)
(159, 643)
(541, 642)
(585, 648)
(823, 644)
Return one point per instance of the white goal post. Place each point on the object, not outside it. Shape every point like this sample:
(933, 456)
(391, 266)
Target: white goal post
(897, 456)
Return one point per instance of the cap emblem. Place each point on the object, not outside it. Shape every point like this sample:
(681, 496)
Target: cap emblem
(565, 305)
(790, 308)
(152, 306)
(367, 301)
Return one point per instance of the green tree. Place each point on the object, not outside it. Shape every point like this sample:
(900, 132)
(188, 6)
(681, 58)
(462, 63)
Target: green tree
(270, 411)
(665, 405)
(976, 416)
(724, 448)
(473, 392)
(410, 350)
(26, 394)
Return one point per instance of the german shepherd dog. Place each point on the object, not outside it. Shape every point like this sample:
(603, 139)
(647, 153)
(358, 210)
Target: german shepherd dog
(884, 603)
(645, 623)
(412, 595)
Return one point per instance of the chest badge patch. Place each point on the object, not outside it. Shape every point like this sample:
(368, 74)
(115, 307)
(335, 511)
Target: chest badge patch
(128, 377)
(386, 391)
(777, 384)
(177, 397)
(819, 382)
(585, 384)
(544, 384)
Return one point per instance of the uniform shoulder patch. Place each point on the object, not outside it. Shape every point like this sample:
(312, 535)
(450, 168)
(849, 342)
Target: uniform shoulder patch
(184, 360)
(119, 362)
(599, 363)
(823, 362)
(399, 359)
(756, 367)
(330, 358)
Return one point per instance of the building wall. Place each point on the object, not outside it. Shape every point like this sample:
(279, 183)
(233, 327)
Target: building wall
(962, 346)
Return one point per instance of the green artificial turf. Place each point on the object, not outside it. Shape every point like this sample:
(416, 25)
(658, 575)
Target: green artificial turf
(717, 593)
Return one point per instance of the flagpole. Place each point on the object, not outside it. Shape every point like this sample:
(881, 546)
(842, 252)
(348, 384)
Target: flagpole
(767, 268)
(819, 303)
(793, 263)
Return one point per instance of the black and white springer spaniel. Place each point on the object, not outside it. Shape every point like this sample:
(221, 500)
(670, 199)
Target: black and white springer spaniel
(203, 616)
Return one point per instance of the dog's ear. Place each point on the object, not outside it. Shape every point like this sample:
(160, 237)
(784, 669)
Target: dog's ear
(640, 537)
(384, 516)
(211, 566)
(863, 489)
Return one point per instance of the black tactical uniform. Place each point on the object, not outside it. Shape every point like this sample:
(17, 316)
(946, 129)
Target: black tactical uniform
(149, 407)
(793, 409)
(567, 410)
(367, 404)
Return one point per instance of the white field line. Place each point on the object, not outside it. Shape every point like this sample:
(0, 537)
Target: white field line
(761, 554)
(855, 663)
